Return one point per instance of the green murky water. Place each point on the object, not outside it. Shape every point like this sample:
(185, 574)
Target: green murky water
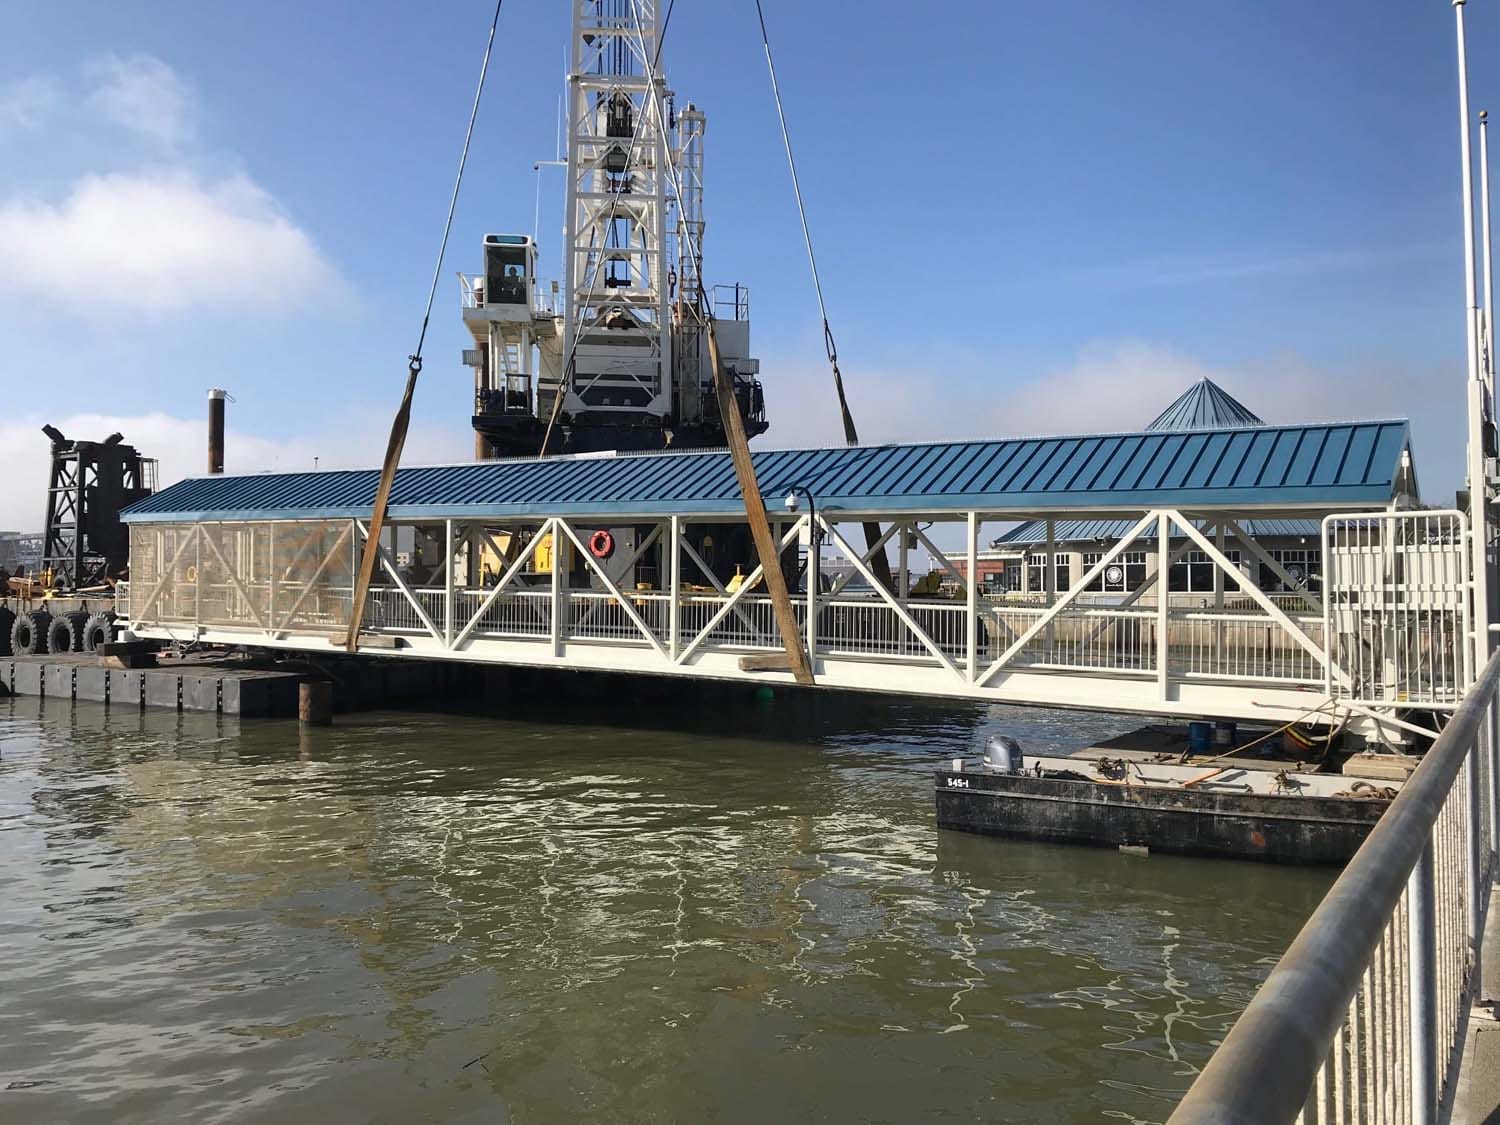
(417, 917)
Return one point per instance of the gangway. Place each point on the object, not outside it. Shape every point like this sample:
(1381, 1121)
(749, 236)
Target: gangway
(620, 563)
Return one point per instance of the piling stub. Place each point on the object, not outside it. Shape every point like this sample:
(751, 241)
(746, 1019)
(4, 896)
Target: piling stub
(315, 702)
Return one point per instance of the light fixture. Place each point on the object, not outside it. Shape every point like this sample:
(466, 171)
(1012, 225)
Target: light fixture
(791, 501)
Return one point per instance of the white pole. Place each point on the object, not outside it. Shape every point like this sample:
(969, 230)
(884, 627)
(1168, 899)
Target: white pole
(674, 583)
(449, 561)
(1163, 604)
(814, 583)
(1489, 272)
(1478, 508)
(971, 543)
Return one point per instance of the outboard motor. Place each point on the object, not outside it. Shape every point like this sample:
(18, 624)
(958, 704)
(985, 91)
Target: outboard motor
(1003, 753)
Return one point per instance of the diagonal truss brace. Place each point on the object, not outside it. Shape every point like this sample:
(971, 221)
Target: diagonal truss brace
(389, 567)
(1084, 582)
(234, 578)
(1263, 556)
(885, 595)
(1256, 594)
(609, 585)
(524, 556)
(732, 603)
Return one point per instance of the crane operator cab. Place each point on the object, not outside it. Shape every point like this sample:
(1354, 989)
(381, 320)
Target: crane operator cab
(509, 266)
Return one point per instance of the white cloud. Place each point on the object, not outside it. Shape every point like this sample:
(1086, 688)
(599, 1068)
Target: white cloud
(27, 103)
(158, 241)
(180, 446)
(1197, 269)
(145, 95)
(1116, 386)
(1109, 387)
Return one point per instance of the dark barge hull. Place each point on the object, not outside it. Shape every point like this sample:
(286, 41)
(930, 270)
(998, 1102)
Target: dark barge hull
(1273, 829)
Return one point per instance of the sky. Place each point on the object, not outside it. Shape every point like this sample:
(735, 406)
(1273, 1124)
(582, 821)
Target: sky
(1030, 218)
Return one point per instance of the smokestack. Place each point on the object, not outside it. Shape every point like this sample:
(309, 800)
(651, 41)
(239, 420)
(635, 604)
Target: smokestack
(216, 399)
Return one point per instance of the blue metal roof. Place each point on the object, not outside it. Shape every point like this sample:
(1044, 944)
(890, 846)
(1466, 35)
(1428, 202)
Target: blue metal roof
(1326, 465)
(1205, 406)
(1034, 532)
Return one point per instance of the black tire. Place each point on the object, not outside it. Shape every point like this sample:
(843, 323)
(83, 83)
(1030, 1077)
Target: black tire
(28, 635)
(59, 635)
(7, 622)
(98, 631)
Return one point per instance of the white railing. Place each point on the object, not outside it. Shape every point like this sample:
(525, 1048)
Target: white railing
(1398, 606)
(519, 613)
(543, 300)
(857, 627)
(1363, 1018)
(601, 617)
(1084, 637)
(1394, 622)
(389, 610)
(750, 623)
(1242, 646)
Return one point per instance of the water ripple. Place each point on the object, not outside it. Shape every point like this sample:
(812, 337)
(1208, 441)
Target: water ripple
(421, 917)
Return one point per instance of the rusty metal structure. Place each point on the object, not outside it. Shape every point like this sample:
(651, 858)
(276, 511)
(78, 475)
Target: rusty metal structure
(84, 543)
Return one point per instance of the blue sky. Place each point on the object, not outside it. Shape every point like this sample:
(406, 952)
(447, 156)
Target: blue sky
(1029, 217)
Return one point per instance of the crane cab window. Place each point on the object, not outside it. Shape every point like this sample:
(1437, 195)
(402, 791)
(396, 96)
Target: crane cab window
(505, 275)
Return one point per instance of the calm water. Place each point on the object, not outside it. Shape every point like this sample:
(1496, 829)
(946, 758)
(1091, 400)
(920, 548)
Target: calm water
(413, 917)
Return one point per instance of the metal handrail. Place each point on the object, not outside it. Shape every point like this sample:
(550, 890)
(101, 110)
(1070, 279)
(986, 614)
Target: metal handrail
(1267, 1064)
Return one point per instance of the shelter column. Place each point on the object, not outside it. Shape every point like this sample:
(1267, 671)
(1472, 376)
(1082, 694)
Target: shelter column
(553, 527)
(674, 584)
(447, 583)
(1163, 602)
(904, 563)
(971, 630)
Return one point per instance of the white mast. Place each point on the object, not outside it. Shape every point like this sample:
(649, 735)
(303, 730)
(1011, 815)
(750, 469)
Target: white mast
(617, 332)
(1477, 392)
(1489, 271)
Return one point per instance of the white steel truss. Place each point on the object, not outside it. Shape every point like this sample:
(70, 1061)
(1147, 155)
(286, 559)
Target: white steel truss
(618, 327)
(289, 584)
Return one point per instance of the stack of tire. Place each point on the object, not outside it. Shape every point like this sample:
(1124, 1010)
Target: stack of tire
(37, 632)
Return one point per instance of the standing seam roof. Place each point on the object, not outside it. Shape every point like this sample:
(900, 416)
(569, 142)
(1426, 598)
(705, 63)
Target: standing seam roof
(1328, 465)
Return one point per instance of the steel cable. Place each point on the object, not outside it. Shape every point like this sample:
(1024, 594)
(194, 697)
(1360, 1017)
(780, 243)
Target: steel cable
(851, 436)
(402, 421)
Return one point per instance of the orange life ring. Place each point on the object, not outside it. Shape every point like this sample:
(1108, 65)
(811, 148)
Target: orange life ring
(601, 544)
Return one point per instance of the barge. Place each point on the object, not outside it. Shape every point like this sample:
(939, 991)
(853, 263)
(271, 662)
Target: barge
(1220, 810)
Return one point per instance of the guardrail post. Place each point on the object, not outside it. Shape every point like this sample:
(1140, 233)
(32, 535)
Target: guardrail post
(1492, 765)
(1421, 950)
(1473, 847)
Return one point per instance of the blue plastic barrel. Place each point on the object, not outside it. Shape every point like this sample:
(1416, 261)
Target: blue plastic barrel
(1200, 737)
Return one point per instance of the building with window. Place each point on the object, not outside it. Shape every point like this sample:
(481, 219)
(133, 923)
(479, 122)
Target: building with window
(1015, 565)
